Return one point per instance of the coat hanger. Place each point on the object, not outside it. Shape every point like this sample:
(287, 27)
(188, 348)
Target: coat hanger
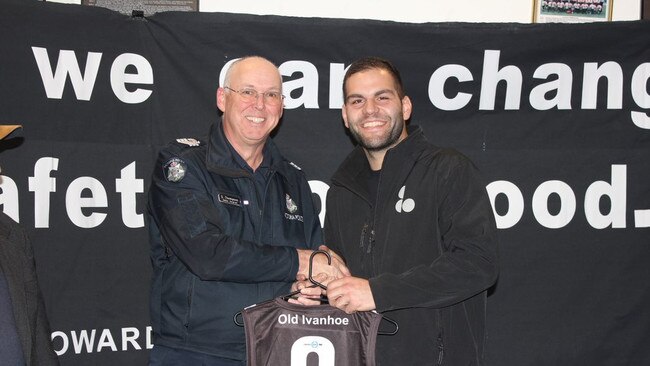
(323, 299)
(294, 293)
(311, 277)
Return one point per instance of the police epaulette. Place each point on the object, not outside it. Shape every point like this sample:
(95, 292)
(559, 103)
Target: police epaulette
(189, 142)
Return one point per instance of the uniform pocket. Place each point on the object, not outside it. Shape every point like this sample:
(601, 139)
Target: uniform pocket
(192, 213)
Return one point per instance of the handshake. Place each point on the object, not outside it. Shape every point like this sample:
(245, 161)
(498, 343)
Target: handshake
(344, 291)
(320, 266)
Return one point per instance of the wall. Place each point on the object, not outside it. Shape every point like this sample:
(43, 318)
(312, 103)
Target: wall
(414, 11)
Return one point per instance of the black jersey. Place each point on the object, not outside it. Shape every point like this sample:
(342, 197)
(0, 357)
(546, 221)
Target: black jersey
(279, 333)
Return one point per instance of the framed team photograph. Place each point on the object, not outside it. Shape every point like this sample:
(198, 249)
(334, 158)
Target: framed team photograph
(572, 11)
(145, 7)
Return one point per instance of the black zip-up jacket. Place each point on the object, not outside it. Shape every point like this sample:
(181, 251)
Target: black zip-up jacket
(428, 247)
(218, 244)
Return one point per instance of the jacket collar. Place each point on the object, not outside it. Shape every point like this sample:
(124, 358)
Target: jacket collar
(353, 173)
(220, 158)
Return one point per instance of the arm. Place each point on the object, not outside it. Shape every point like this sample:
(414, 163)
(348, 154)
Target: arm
(185, 220)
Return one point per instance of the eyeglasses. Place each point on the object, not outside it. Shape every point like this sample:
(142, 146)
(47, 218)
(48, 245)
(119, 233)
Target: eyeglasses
(250, 95)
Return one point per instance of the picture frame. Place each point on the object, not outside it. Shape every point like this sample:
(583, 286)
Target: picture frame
(144, 7)
(572, 11)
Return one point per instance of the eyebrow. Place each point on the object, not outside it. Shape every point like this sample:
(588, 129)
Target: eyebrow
(377, 93)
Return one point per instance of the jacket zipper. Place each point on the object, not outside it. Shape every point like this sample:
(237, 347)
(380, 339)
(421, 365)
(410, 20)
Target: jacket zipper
(371, 238)
(261, 204)
(371, 246)
(362, 245)
(441, 349)
(441, 342)
(190, 292)
(366, 246)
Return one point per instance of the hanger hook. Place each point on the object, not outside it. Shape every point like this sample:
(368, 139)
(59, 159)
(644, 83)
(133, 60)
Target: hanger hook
(311, 260)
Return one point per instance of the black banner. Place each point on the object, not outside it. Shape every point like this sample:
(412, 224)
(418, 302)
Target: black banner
(556, 116)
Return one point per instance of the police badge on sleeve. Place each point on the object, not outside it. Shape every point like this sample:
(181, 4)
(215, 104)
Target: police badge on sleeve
(174, 170)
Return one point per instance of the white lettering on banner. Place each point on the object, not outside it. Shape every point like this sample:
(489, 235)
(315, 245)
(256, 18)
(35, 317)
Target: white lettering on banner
(119, 78)
(74, 202)
(130, 187)
(8, 193)
(515, 203)
(54, 79)
(560, 86)
(492, 75)
(592, 74)
(337, 73)
(640, 95)
(42, 184)
(308, 83)
(86, 341)
(320, 189)
(616, 192)
(567, 204)
(437, 86)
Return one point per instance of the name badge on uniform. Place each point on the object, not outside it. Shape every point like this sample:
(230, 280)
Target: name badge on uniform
(229, 200)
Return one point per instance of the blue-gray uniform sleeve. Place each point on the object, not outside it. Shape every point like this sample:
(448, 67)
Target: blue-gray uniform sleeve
(185, 220)
(468, 264)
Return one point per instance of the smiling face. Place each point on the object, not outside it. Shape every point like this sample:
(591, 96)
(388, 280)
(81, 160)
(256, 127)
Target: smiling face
(247, 124)
(373, 111)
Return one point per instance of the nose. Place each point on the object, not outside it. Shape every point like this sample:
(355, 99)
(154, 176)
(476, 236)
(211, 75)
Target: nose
(369, 106)
(259, 101)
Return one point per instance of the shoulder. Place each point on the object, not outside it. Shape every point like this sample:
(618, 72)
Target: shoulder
(183, 145)
(175, 159)
(291, 170)
(446, 164)
(9, 227)
(444, 155)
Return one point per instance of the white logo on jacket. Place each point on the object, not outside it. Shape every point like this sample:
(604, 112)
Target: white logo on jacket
(292, 208)
(406, 205)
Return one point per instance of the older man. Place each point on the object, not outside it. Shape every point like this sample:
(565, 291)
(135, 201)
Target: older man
(232, 223)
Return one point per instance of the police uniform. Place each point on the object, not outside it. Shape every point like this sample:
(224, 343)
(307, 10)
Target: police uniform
(222, 237)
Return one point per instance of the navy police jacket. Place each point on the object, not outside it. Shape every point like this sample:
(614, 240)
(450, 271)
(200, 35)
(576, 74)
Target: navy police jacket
(218, 244)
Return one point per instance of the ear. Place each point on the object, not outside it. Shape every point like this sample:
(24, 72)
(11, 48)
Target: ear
(407, 107)
(221, 95)
(344, 114)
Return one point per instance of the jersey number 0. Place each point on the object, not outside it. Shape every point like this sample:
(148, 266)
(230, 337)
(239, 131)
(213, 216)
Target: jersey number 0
(312, 344)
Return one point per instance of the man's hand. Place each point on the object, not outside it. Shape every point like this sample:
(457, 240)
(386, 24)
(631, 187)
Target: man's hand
(336, 259)
(350, 294)
(319, 265)
(310, 294)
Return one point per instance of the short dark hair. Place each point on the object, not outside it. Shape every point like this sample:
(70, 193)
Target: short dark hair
(368, 63)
